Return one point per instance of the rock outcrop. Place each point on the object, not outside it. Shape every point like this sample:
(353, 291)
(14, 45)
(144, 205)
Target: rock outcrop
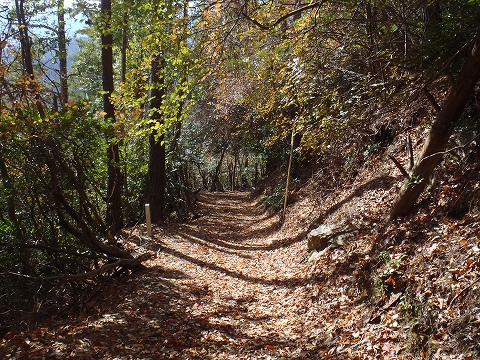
(329, 236)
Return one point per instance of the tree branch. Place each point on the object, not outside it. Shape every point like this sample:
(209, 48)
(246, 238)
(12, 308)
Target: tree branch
(282, 18)
(400, 167)
(432, 100)
(124, 263)
(452, 149)
(410, 153)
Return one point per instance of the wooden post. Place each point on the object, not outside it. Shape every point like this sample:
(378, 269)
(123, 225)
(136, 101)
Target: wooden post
(149, 219)
(287, 186)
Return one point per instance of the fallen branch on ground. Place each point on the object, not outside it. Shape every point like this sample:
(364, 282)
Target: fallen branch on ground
(123, 263)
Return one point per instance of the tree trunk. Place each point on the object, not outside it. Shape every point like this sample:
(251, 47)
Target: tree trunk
(432, 13)
(123, 65)
(289, 171)
(230, 175)
(156, 177)
(11, 195)
(440, 133)
(26, 47)
(62, 53)
(237, 171)
(114, 183)
(216, 184)
(234, 172)
(156, 165)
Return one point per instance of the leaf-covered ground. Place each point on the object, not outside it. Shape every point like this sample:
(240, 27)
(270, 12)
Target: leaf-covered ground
(222, 286)
(231, 284)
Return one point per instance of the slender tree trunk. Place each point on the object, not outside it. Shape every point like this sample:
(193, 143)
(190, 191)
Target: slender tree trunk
(441, 130)
(123, 71)
(238, 171)
(370, 25)
(203, 176)
(230, 174)
(26, 47)
(114, 183)
(24, 38)
(289, 171)
(216, 184)
(234, 175)
(11, 194)
(62, 53)
(245, 184)
(156, 165)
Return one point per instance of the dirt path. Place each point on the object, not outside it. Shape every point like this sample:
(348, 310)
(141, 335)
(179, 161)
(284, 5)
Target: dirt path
(223, 286)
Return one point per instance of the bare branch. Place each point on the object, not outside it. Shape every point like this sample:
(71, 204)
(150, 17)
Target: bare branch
(431, 98)
(410, 153)
(452, 149)
(123, 263)
(400, 167)
(282, 18)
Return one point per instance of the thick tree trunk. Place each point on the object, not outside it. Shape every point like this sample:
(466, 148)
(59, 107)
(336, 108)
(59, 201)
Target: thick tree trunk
(156, 177)
(156, 165)
(114, 183)
(440, 133)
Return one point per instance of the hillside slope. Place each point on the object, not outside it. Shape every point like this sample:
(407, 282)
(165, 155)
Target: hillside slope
(412, 286)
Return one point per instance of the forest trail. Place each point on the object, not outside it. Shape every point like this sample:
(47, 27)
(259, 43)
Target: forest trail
(222, 286)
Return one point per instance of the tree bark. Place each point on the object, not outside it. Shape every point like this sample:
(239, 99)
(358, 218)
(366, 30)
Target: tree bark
(114, 183)
(216, 184)
(26, 47)
(287, 185)
(62, 53)
(123, 66)
(157, 162)
(441, 130)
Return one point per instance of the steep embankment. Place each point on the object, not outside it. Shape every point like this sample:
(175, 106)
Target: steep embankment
(412, 286)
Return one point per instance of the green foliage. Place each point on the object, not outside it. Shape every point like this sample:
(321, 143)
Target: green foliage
(52, 182)
(165, 38)
(414, 181)
(276, 199)
(85, 77)
(446, 35)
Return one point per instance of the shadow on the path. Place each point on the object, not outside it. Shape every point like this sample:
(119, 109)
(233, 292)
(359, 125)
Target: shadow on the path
(380, 182)
(287, 283)
(159, 319)
(152, 315)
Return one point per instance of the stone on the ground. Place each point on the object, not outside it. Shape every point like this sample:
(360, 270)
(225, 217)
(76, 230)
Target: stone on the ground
(332, 235)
